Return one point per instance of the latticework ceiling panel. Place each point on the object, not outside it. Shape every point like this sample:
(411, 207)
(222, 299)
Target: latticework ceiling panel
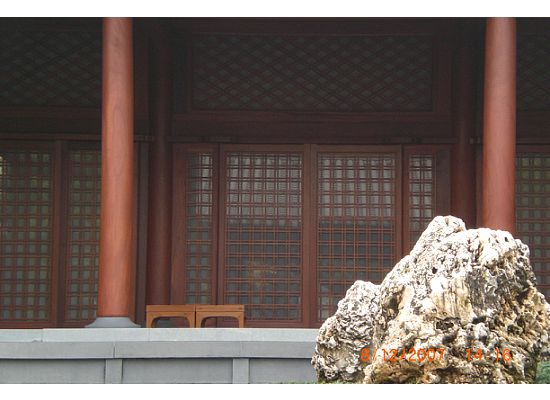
(50, 68)
(533, 69)
(312, 73)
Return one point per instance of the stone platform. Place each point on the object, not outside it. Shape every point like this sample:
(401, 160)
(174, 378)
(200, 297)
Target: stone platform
(159, 355)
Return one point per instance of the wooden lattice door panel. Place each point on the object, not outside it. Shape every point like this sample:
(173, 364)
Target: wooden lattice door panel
(199, 232)
(358, 221)
(296, 225)
(49, 233)
(262, 232)
(427, 189)
(533, 211)
(82, 256)
(26, 230)
(195, 215)
(421, 194)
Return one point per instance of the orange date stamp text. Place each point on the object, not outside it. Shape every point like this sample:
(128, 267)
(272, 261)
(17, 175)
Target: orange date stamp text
(368, 354)
(394, 355)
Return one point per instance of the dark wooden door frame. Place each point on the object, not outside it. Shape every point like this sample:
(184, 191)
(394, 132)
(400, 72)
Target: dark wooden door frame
(347, 149)
(224, 149)
(309, 211)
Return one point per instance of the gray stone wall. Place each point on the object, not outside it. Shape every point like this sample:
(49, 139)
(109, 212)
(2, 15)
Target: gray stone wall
(159, 355)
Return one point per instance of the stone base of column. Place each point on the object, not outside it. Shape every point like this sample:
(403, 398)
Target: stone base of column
(113, 322)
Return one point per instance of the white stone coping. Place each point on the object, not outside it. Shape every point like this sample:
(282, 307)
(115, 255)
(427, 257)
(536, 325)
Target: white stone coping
(159, 335)
(121, 343)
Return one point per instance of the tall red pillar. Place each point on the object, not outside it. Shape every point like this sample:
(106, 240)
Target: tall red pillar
(463, 189)
(160, 168)
(499, 125)
(116, 269)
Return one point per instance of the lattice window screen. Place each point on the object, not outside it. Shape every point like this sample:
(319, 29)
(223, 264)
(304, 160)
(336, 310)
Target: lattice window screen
(83, 235)
(422, 194)
(263, 233)
(533, 212)
(356, 223)
(312, 73)
(199, 262)
(533, 87)
(50, 68)
(26, 235)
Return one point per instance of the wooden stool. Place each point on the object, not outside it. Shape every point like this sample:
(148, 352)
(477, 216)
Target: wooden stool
(226, 310)
(159, 311)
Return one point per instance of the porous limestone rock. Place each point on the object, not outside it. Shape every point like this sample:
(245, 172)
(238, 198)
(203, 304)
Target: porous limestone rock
(458, 291)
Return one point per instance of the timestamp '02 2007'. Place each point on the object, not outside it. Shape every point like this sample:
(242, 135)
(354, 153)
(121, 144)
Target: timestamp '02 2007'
(394, 355)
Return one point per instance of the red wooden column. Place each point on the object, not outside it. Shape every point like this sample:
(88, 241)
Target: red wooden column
(160, 170)
(499, 125)
(117, 186)
(463, 199)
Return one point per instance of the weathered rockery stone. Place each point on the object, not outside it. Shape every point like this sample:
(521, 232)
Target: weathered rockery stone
(457, 292)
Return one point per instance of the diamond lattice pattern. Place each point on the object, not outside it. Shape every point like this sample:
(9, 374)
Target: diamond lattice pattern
(533, 86)
(312, 73)
(50, 68)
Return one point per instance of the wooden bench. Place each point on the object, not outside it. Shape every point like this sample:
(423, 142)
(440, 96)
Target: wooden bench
(195, 313)
(204, 311)
(154, 312)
